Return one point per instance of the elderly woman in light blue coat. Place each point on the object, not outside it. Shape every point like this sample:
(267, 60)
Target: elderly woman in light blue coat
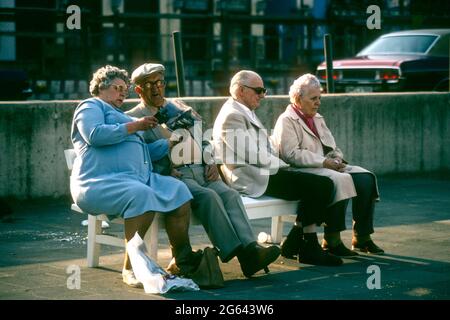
(112, 172)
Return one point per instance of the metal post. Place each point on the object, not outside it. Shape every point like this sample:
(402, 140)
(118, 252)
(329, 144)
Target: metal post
(179, 67)
(328, 51)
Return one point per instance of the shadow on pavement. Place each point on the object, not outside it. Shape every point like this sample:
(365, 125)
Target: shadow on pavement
(400, 277)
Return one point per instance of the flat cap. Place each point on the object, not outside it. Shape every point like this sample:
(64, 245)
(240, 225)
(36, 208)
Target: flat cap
(145, 70)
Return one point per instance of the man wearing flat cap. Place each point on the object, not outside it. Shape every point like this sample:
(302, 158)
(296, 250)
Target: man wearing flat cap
(217, 206)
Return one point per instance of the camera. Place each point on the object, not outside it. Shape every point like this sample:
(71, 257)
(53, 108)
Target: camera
(161, 116)
(176, 118)
(183, 120)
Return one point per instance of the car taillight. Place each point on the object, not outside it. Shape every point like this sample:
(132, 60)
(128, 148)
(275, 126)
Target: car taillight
(389, 74)
(323, 75)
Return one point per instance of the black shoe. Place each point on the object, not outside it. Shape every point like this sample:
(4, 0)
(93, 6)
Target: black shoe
(340, 250)
(312, 253)
(255, 257)
(367, 247)
(291, 246)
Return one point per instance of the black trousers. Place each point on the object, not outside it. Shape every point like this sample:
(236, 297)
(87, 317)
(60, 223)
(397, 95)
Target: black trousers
(363, 207)
(315, 192)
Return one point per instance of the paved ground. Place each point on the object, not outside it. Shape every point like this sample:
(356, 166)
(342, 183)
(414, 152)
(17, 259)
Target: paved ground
(412, 224)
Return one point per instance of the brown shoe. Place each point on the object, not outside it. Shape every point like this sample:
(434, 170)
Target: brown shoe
(367, 247)
(255, 258)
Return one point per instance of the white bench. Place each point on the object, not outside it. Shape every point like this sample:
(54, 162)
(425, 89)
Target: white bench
(257, 208)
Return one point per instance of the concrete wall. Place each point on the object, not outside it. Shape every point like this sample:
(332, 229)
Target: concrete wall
(386, 133)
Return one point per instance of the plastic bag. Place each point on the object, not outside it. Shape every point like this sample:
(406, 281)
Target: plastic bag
(154, 278)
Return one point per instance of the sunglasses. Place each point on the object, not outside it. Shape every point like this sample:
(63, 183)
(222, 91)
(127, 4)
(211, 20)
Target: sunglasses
(157, 83)
(258, 90)
(121, 88)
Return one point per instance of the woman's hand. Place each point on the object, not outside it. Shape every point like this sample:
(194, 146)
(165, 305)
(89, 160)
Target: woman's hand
(142, 124)
(334, 164)
(211, 172)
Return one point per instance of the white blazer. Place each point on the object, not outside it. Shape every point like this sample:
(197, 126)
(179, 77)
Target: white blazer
(242, 146)
(301, 148)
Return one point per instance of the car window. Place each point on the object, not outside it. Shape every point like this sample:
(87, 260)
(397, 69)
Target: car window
(441, 48)
(400, 44)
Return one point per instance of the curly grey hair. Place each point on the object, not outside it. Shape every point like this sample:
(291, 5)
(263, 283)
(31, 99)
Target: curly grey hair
(300, 85)
(102, 78)
(242, 77)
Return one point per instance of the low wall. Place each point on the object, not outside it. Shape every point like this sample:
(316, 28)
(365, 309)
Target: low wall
(386, 133)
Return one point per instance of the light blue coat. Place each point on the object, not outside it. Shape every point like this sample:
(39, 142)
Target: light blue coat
(112, 173)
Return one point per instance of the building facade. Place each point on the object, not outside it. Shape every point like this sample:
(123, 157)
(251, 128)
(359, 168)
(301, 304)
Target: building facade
(280, 39)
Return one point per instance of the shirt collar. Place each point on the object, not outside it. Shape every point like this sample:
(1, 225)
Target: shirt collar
(250, 113)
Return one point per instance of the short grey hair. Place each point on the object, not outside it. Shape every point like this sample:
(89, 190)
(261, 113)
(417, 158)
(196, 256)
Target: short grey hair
(102, 78)
(240, 78)
(300, 85)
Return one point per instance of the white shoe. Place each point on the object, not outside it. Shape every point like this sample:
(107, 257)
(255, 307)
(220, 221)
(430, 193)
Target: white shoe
(130, 279)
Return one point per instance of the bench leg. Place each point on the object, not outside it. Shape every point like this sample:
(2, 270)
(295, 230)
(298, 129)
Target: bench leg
(277, 229)
(152, 243)
(93, 248)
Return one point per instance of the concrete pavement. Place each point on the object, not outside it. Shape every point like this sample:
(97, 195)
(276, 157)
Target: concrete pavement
(412, 224)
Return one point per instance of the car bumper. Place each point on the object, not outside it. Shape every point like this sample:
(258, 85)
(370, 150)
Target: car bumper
(366, 86)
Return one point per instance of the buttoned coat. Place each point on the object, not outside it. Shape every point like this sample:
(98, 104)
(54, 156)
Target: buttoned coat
(112, 172)
(302, 149)
(242, 145)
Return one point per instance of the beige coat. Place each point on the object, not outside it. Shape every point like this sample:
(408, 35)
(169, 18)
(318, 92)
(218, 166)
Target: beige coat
(301, 148)
(242, 145)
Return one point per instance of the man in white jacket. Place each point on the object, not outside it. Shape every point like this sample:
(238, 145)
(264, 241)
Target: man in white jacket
(250, 165)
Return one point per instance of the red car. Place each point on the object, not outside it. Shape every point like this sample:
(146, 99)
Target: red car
(415, 60)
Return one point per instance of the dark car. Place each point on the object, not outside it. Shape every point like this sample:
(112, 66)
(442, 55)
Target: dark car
(14, 85)
(415, 60)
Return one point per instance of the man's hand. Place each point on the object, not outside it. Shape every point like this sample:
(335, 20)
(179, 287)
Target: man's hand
(334, 164)
(175, 173)
(211, 172)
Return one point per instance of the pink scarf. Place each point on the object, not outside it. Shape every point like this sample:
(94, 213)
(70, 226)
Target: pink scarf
(309, 121)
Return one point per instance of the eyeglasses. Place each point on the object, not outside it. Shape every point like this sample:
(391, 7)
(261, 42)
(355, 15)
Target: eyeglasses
(157, 83)
(121, 88)
(258, 90)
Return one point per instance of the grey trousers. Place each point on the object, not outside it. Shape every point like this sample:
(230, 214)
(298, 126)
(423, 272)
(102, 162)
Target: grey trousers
(220, 210)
